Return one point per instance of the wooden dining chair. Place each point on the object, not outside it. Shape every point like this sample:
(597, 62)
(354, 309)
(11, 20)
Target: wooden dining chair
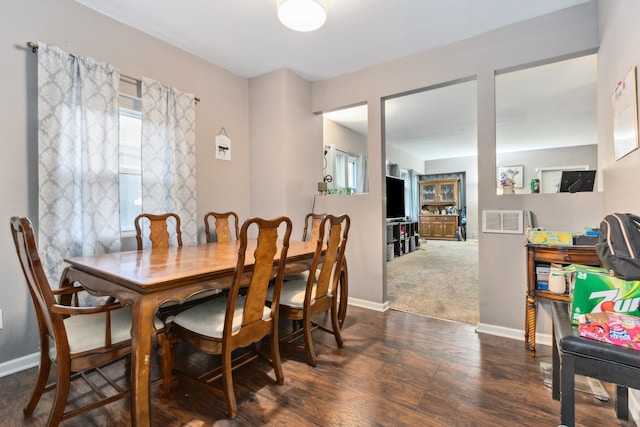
(313, 220)
(162, 230)
(221, 226)
(300, 300)
(300, 270)
(78, 340)
(239, 320)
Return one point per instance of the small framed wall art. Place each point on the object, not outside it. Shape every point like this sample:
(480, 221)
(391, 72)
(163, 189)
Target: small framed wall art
(511, 176)
(223, 146)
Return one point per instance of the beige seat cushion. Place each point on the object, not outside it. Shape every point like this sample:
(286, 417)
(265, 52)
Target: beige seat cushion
(86, 332)
(292, 293)
(208, 318)
(300, 276)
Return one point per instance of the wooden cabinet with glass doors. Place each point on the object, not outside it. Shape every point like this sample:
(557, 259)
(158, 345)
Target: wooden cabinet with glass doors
(439, 209)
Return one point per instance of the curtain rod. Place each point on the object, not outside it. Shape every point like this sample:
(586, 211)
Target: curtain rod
(34, 48)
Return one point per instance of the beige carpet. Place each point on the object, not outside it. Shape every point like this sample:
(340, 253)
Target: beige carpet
(440, 279)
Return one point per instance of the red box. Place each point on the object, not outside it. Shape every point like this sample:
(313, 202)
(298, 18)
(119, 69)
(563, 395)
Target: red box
(615, 328)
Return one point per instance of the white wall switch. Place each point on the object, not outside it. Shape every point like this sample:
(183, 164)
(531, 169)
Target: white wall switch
(0, 318)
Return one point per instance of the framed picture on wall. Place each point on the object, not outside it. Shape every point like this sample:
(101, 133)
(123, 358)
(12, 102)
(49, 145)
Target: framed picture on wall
(625, 118)
(514, 173)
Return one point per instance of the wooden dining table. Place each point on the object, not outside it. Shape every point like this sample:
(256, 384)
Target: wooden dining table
(147, 278)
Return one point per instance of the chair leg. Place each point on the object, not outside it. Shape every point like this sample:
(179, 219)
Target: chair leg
(227, 384)
(62, 393)
(127, 369)
(567, 390)
(335, 324)
(166, 360)
(555, 372)
(308, 342)
(622, 402)
(41, 383)
(275, 357)
(344, 293)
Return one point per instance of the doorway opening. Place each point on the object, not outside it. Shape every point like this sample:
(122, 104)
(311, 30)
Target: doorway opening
(432, 133)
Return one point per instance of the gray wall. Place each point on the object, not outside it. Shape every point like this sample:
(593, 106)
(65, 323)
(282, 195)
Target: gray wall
(285, 147)
(619, 51)
(404, 159)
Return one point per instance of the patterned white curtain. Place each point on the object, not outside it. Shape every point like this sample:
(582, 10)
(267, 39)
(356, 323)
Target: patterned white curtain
(169, 155)
(78, 158)
(414, 205)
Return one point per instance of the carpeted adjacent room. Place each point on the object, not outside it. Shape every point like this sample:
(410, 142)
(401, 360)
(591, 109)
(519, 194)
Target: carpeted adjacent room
(439, 279)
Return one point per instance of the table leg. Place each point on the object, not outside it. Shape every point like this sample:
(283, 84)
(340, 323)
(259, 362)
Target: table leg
(526, 321)
(141, 335)
(531, 324)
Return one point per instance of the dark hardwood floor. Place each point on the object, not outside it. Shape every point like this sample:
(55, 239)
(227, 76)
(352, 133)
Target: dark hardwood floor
(396, 369)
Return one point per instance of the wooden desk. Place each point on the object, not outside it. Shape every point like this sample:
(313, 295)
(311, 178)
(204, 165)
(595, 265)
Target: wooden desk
(547, 254)
(145, 279)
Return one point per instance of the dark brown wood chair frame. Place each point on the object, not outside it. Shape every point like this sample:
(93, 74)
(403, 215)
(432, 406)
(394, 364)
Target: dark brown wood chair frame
(321, 295)
(254, 327)
(52, 307)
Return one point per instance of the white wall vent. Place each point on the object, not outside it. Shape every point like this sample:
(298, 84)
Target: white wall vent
(509, 222)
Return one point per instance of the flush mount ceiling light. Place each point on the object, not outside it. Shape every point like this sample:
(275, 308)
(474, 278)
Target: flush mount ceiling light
(302, 15)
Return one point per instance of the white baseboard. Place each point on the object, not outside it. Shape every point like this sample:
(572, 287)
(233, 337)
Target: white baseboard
(515, 334)
(368, 304)
(20, 364)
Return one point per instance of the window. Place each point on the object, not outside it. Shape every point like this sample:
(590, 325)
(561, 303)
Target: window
(346, 169)
(130, 164)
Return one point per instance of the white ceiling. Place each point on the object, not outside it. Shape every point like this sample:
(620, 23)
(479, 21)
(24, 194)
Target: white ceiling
(245, 37)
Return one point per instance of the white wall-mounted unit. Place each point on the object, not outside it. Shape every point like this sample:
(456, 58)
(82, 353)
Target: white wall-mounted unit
(507, 222)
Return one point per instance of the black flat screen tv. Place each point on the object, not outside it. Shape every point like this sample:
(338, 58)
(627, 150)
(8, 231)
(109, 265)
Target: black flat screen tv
(576, 181)
(395, 198)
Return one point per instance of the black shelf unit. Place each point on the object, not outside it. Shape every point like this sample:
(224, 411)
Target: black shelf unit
(403, 236)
